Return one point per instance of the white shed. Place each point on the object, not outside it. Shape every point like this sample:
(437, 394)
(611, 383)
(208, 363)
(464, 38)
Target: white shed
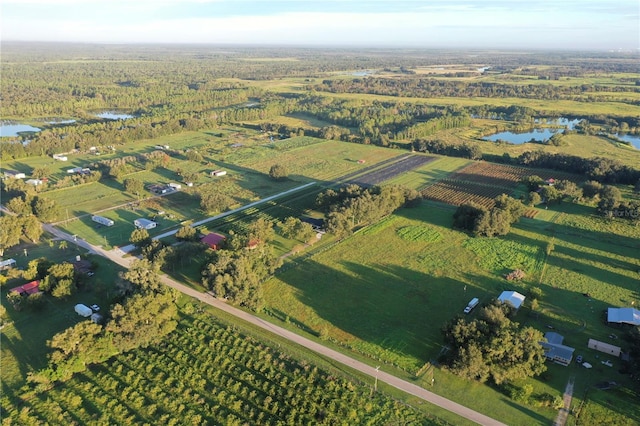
(144, 224)
(83, 310)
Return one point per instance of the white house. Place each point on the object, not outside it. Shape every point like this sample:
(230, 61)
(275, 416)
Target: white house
(34, 182)
(513, 297)
(144, 224)
(60, 157)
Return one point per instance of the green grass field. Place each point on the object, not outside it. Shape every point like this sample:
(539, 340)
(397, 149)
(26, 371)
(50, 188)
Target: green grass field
(385, 295)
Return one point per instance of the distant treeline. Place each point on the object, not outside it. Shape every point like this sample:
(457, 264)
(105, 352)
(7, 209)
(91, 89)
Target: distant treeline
(431, 88)
(603, 170)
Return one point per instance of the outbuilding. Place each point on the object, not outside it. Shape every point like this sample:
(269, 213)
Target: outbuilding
(102, 220)
(14, 174)
(604, 347)
(8, 263)
(218, 173)
(513, 297)
(83, 310)
(623, 316)
(144, 224)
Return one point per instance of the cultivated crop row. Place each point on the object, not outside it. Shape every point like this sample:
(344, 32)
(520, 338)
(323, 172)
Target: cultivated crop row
(503, 175)
(458, 192)
(206, 373)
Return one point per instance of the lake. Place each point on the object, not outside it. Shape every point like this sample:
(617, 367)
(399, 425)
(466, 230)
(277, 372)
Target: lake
(12, 129)
(114, 115)
(538, 134)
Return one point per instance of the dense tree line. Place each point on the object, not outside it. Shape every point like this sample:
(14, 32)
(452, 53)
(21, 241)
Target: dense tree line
(353, 206)
(493, 347)
(435, 146)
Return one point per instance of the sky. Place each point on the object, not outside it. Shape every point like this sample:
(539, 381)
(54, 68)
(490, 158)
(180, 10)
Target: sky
(500, 24)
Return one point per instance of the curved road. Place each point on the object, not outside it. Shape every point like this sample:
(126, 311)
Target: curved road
(403, 385)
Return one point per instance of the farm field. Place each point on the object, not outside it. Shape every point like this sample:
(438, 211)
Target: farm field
(481, 182)
(208, 373)
(381, 294)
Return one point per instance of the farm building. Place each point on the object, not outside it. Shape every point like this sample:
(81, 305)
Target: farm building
(604, 347)
(6, 264)
(623, 316)
(213, 240)
(159, 189)
(60, 157)
(29, 288)
(555, 351)
(175, 186)
(34, 182)
(144, 224)
(218, 173)
(74, 170)
(14, 174)
(102, 220)
(83, 310)
(513, 297)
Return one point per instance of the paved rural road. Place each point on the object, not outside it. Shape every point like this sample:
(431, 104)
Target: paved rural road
(408, 387)
(130, 247)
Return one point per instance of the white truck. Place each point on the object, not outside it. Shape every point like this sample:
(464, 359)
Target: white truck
(472, 304)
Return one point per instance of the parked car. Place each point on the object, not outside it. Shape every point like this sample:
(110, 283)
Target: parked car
(579, 359)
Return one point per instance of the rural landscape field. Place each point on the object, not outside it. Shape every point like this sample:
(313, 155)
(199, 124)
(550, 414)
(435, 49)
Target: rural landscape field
(200, 209)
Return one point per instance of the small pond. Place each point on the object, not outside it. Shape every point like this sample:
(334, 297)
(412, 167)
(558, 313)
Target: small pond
(632, 139)
(12, 129)
(538, 134)
(114, 115)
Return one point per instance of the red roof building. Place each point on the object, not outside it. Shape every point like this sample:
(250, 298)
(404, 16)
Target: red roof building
(28, 288)
(213, 240)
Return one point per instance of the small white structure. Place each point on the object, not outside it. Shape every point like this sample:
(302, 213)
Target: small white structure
(604, 347)
(6, 264)
(34, 182)
(102, 220)
(75, 170)
(60, 157)
(218, 173)
(83, 310)
(14, 174)
(175, 186)
(144, 224)
(513, 297)
(472, 304)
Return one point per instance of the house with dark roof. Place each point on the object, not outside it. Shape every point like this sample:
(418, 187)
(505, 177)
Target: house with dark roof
(555, 351)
